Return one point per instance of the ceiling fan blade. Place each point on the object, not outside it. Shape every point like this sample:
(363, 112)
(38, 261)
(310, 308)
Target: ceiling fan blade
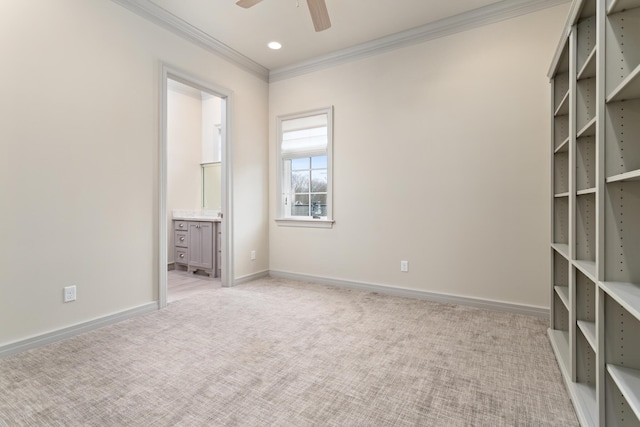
(319, 14)
(247, 3)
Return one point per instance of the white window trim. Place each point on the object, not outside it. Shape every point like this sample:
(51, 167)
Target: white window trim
(281, 219)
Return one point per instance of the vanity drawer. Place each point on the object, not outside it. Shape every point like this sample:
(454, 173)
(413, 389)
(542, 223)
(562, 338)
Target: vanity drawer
(181, 238)
(181, 255)
(180, 225)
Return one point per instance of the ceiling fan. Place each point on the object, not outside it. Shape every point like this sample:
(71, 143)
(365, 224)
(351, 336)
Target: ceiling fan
(317, 8)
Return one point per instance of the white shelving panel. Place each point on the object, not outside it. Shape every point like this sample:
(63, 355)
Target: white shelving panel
(563, 108)
(585, 163)
(622, 132)
(585, 225)
(623, 177)
(563, 293)
(628, 381)
(588, 129)
(589, 331)
(591, 190)
(589, 67)
(595, 217)
(560, 344)
(615, 6)
(629, 88)
(625, 294)
(588, 268)
(562, 249)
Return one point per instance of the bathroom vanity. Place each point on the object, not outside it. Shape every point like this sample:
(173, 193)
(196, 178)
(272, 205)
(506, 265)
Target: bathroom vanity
(197, 244)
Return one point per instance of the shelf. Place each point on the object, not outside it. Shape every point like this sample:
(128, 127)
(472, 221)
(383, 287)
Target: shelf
(588, 268)
(589, 67)
(625, 294)
(563, 147)
(589, 331)
(566, 194)
(562, 249)
(589, 129)
(563, 293)
(620, 5)
(563, 107)
(583, 395)
(586, 191)
(627, 176)
(628, 381)
(628, 89)
(560, 343)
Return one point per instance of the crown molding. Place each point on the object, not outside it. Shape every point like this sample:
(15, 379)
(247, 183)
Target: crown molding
(154, 13)
(492, 13)
(496, 12)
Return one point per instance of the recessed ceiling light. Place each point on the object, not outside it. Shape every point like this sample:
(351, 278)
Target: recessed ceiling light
(274, 45)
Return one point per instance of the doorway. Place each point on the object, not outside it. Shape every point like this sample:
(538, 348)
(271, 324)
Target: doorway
(202, 111)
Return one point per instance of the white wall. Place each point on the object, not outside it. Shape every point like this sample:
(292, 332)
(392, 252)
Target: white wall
(441, 158)
(79, 160)
(184, 152)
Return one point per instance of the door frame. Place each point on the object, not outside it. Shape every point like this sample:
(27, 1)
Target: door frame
(227, 273)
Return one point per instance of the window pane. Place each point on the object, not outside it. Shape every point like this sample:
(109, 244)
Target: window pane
(300, 164)
(319, 162)
(300, 206)
(318, 205)
(319, 181)
(300, 181)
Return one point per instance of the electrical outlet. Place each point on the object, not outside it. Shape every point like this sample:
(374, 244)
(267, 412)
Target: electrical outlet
(253, 255)
(69, 293)
(404, 266)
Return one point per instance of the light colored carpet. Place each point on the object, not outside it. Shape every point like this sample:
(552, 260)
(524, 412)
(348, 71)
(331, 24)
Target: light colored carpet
(284, 353)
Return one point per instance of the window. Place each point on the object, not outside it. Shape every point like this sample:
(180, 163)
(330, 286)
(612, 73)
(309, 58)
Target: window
(304, 168)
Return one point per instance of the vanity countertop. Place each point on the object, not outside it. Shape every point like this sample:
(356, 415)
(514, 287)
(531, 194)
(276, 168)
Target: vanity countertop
(196, 215)
(197, 218)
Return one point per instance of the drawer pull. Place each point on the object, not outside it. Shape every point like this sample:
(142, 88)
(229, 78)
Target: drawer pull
(181, 225)
(181, 255)
(182, 239)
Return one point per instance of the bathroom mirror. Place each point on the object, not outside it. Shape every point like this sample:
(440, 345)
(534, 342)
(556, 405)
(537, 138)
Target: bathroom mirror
(212, 186)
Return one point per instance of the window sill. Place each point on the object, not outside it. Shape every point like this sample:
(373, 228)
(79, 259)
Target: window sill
(308, 223)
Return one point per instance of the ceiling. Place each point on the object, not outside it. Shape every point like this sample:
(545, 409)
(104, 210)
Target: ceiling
(354, 22)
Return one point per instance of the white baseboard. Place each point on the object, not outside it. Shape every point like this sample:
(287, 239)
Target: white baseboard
(68, 332)
(250, 277)
(412, 293)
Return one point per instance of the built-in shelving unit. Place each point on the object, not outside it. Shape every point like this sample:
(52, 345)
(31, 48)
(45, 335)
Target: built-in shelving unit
(595, 202)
